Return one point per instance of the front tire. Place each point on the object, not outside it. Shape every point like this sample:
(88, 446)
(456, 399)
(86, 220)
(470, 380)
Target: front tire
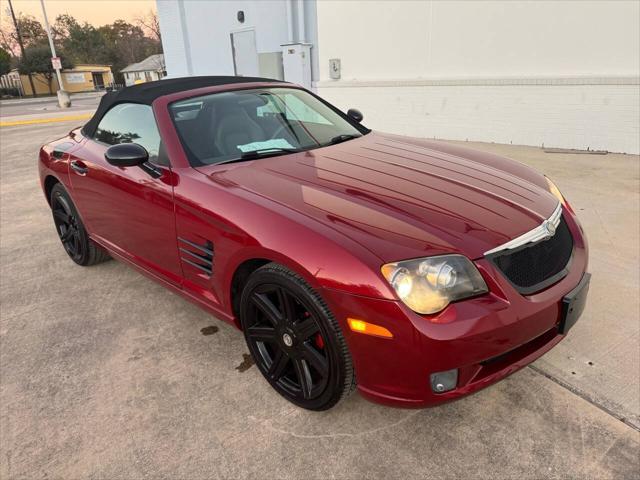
(294, 339)
(71, 231)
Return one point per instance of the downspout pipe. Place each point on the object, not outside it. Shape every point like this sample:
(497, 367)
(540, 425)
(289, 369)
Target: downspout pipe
(301, 29)
(185, 37)
(289, 9)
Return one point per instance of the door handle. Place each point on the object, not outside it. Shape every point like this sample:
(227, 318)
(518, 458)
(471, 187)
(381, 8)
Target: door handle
(79, 168)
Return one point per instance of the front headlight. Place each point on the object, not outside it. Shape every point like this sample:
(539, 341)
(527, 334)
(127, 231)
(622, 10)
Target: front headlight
(427, 285)
(555, 191)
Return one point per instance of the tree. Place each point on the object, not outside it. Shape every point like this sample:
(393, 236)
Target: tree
(118, 44)
(126, 44)
(37, 59)
(17, 32)
(31, 31)
(7, 39)
(5, 62)
(150, 24)
(62, 27)
(83, 43)
(128, 41)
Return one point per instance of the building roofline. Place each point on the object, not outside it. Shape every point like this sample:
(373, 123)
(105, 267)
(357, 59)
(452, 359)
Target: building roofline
(92, 64)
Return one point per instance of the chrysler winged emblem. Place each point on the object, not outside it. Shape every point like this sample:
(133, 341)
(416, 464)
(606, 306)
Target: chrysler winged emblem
(543, 231)
(549, 228)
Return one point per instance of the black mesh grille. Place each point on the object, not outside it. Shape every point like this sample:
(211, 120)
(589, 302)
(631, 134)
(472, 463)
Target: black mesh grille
(534, 267)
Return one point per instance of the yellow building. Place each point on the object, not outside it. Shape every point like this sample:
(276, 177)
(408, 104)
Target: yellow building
(81, 78)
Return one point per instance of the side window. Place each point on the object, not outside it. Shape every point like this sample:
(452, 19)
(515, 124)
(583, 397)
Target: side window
(131, 123)
(268, 109)
(298, 110)
(293, 108)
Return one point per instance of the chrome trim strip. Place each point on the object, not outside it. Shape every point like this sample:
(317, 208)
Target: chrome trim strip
(544, 231)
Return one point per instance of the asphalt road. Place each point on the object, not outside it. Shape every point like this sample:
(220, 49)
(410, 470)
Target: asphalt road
(105, 374)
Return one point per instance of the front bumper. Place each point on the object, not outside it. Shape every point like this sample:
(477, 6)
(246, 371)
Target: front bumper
(486, 338)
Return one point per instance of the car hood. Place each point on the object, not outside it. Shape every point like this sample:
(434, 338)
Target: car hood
(401, 197)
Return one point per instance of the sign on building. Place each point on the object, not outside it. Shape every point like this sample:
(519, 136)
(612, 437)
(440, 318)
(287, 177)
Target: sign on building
(74, 78)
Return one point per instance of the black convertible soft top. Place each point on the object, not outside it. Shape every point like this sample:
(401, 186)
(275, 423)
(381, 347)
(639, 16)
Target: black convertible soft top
(146, 93)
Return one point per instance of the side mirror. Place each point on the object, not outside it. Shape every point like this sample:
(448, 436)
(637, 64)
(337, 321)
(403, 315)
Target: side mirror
(126, 155)
(355, 115)
(131, 155)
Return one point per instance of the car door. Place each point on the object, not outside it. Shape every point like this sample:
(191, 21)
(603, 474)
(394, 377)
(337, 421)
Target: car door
(126, 208)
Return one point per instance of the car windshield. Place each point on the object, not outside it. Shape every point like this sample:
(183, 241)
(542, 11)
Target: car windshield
(249, 124)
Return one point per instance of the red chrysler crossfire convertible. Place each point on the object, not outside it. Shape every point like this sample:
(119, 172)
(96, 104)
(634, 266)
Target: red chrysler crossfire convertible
(413, 270)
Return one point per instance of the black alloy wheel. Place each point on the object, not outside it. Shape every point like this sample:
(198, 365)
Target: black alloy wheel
(294, 339)
(71, 231)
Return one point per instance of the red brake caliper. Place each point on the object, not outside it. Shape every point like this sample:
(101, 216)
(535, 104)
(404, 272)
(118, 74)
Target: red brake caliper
(317, 339)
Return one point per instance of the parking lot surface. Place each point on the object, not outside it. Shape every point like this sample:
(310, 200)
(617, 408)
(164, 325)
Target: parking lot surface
(105, 374)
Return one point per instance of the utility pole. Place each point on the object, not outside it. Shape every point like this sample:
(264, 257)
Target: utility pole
(19, 35)
(64, 101)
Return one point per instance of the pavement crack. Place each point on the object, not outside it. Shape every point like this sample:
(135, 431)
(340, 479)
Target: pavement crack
(585, 396)
(267, 424)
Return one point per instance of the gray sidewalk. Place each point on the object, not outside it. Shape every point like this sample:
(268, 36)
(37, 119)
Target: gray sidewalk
(41, 109)
(48, 99)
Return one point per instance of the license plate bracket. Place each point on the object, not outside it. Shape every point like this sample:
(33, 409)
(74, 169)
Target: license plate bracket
(573, 304)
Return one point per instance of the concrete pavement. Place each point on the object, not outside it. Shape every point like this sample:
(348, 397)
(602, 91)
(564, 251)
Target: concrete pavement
(105, 374)
(50, 98)
(30, 109)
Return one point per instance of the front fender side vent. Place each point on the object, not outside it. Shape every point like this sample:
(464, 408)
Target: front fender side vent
(199, 256)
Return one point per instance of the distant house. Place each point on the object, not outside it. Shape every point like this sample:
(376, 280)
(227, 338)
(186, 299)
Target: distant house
(80, 78)
(149, 69)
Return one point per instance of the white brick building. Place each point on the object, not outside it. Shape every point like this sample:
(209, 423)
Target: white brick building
(562, 73)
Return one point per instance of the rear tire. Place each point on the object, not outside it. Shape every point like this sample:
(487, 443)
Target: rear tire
(295, 340)
(73, 236)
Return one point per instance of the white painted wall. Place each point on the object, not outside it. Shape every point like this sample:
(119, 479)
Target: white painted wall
(196, 34)
(596, 117)
(410, 39)
(561, 73)
(175, 41)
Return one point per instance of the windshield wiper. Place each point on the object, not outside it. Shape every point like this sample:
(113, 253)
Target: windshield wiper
(266, 152)
(262, 153)
(343, 138)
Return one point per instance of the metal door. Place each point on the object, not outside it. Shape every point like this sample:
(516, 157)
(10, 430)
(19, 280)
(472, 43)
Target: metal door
(245, 53)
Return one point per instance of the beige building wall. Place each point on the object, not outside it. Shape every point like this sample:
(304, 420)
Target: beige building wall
(40, 83)
(81, 78)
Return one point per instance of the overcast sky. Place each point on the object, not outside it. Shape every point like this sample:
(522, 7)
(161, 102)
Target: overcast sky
(96, 12)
